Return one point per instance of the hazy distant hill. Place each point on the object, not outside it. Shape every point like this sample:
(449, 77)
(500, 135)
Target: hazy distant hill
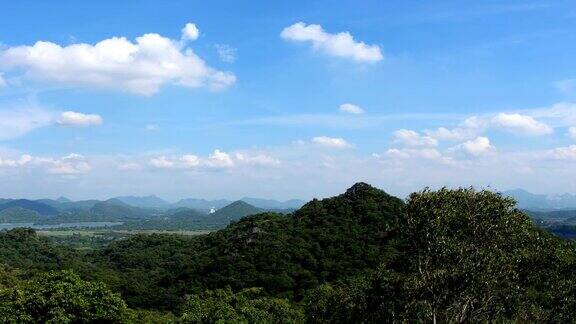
(233, 212)
(38, 207)
(63, 200)
(116, 209)
(201, 204)
(18, 215)
(528, 200)
(63, 204)
(274, 204)
(151, 201)
(204, 204)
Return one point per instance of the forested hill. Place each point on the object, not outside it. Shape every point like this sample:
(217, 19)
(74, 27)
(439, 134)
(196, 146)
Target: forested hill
(364, 256)
(323, 241)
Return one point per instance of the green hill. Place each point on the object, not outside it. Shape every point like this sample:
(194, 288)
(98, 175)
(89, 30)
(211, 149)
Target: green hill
(323, 241)
(232, 212)
(19, 215)
(38, 207)
(114, 209)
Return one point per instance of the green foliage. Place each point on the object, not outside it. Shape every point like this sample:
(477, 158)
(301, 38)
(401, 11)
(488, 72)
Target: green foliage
(472, 256)
(18, 215)
(247, 306)
(338, 302)
(22, 248)
(144, 316)
(61, 297)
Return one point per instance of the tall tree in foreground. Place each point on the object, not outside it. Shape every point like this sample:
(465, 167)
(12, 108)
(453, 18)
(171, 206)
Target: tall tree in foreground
(471, 255)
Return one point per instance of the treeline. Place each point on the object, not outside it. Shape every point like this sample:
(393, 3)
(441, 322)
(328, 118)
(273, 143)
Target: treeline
(364, 256)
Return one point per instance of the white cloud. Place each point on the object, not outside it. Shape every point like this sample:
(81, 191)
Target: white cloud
(332, 142)
(226, 53)
(340, 45)
(562, 153)
(17, 122)
(471, 127)
(572, 132)
(477, 147)
(521, 124)
(426, 153)
(191, 160)
(23, 160)
(351, 108)
(219, 159)
(162, 162)
(69, 165)
(412, 138)
(140, 67)
(216, 160)
(3, 82)
(445, 134)
(559, 114)
(257, 160)
(71, 118)
(152, 128)
(190, 32)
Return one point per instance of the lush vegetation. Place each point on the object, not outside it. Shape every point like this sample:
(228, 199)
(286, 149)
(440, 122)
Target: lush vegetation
(364, 256)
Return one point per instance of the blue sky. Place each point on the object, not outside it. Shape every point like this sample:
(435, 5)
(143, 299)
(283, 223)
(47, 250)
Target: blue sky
(285, 99)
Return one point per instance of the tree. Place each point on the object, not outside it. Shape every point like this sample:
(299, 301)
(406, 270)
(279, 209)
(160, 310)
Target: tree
(247, 306)
(61, 297)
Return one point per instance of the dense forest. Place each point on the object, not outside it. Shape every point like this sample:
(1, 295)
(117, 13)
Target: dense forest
(364, 256)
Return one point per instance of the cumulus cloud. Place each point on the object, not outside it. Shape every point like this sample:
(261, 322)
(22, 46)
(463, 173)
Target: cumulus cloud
(69, 165)
(412, 138)
(351, 108)
(471, 127)
(445, 134)
(162, 162)
(226, 53)
(477, 147)
(219, 159)
(140, 67)
(331, 142)
(521, 124)
(72, 164)
(190, 32)
(216, 160)
(71, 118)
(339, 45)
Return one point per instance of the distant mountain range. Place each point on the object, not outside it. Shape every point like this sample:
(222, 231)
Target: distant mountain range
(203, 204)
(539, 202)
(141, 212)
(31, 205)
